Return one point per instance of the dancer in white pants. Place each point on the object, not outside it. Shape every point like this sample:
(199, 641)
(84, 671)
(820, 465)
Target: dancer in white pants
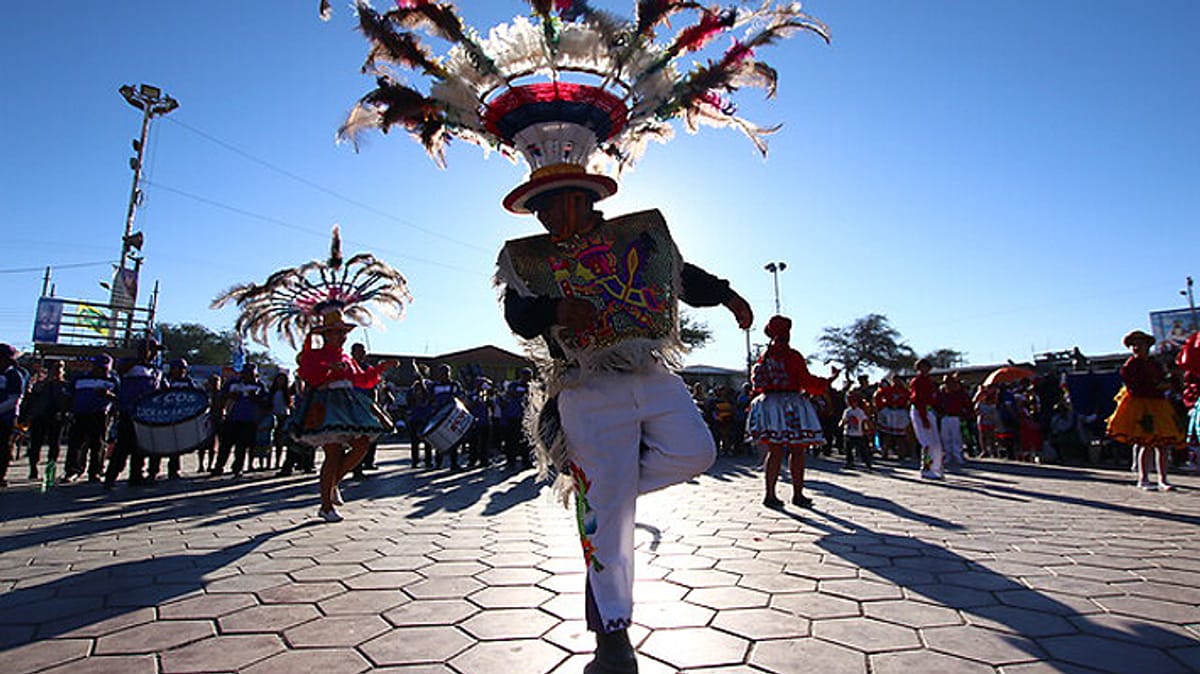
(925, 421)
(607, 415)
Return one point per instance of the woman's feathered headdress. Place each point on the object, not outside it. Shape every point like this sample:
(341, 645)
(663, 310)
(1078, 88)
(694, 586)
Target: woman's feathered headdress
(294, 301)
(617, 80)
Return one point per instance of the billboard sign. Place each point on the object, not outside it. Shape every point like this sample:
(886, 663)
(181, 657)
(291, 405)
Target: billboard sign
(1171, 328)
(124, 288)
(48, 320)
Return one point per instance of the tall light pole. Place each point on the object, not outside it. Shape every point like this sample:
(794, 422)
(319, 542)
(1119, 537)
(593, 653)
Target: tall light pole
(1191, 303)
(152, 102)
(775, 268)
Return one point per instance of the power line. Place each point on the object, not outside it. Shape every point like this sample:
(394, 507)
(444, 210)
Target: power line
(322, 188)
(299, 228)
(78, 265)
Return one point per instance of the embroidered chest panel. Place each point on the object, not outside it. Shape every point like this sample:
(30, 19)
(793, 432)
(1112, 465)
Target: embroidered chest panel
(626, 269)
(771, 374)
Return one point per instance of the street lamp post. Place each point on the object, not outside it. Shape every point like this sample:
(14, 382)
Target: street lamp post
(775, 268)
(152, 102)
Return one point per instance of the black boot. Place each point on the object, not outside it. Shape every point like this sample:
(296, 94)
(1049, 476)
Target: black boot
(614, 655)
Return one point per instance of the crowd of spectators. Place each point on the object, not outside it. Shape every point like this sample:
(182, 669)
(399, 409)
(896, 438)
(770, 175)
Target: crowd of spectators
(86, 407)
(1032, 418)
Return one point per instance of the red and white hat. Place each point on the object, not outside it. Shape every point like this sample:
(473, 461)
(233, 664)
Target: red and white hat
(557, 127)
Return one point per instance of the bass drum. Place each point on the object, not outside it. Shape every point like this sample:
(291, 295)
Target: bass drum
(174, 421)
(448, 426)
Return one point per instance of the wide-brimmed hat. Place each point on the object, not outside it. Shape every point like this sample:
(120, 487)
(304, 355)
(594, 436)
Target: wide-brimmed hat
(1136, 336)
(557, 127)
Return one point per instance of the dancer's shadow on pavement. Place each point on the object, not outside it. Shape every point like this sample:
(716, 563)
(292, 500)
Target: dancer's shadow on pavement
(126, 508)
(433, 491)
(1029, 621)
(987, 488)
(109, 593)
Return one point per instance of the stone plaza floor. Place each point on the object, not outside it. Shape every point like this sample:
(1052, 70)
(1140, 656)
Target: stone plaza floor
(1002, 567)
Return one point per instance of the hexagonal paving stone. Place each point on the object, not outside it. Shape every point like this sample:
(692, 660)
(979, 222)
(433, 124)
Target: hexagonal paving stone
(777, 583)
(324, 661)
(820, 571)
(867, 635)
(364, 601)
(346, 630)
(382, 580)
(512, 576)
(510, 597)
(721, 598)
(983, 645)
(43, 654)
(117, 664)
(224, 653)
(861, 590)
(572, 636)
(327, 572)
(522, 655)
(509, 624)
(447, 587)
(441, 569)
(398, 563)
(431, 612)
(206, 606)
(415, 645)
(925, 662)
(810, 655)
(759, 624)
(267, 619)
(300, 593)
(912, 613)
(244, 582)
(1151, 609)
(1108, 655)
(657, 590)
(565, 606)
(154, 637)
(1019, 621)
(815, 606)
(669, 614)
(695, 647)
(953, 596)
(94, 624)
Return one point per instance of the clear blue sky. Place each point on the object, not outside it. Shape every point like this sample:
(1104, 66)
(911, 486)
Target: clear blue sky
(996, 178)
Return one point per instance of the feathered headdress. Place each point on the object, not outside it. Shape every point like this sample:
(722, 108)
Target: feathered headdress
(316, 295)
(605, 86)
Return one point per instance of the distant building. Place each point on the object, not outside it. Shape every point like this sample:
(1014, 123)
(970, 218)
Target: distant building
(709, 376)
(487, 361)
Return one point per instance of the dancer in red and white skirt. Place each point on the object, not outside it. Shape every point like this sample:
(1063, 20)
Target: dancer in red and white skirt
(782, 418)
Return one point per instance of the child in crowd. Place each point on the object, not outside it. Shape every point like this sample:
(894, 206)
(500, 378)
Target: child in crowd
(1144, 418)
(855, 430)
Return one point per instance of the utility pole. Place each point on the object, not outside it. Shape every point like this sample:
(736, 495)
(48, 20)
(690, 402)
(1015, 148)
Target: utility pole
(1191, 303)
(152, 102)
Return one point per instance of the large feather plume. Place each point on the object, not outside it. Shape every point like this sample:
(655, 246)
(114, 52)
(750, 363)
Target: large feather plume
(291, 301)
(571, 38)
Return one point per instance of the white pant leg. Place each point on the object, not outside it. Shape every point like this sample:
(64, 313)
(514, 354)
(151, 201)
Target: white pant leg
(606, 419)
(952, 439)
(930, 441)
(677, 443)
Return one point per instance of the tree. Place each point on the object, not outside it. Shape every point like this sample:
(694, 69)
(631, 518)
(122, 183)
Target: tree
(945, 358)
(692, 332)
(202, 346)
(868, 342)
